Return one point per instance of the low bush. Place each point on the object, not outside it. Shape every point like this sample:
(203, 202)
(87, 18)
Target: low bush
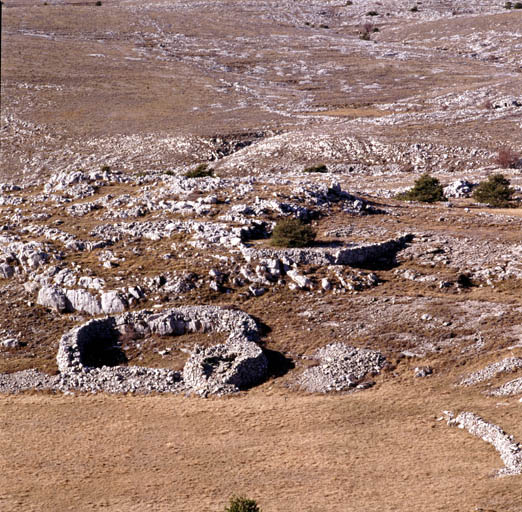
(507, 158)
(316, 168)
(372, 13)
(241, 504)
(201, 171)
(495, 191)
(414, 9)
(426, 189)
(292, 233)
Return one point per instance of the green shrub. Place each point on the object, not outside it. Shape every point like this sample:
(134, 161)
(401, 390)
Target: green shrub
(426, 189)
(495, 191)
(316, 168)
(201, 171)
(241, 504)
(508, 5)
(292, 233)
(518, 5)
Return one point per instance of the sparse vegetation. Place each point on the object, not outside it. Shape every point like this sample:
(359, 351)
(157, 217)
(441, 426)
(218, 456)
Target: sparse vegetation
(507, 158)
(242, 504)
(495, 191)
(201, 171)
(366, 30)
(292, 233)
(316, 168)
(426, 189)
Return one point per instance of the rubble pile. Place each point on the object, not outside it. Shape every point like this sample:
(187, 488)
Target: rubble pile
(341, 368)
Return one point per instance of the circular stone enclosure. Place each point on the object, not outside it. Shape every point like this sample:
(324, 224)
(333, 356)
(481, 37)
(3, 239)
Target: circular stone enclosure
(92, 352)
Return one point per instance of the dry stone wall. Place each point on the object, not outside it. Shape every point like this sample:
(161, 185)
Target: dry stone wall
(228, 367)
(355, 255)
(509, 450)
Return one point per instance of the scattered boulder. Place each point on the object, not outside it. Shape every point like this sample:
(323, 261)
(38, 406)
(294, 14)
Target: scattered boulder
(459, 188)
(6, 271)
(113, 302)
(82, 300)
(422, 371)
(52, 297)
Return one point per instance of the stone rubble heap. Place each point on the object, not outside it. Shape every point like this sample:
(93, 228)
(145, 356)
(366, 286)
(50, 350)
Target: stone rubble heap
(509, 364)
(27, 380)
(341, 367)
(509, 450)
(513, 387)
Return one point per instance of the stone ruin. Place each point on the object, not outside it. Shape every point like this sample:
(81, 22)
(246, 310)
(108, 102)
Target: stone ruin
(355, 255)
(88, 355)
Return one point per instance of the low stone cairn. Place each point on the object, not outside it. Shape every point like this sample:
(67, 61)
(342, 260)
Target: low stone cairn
(341, 368)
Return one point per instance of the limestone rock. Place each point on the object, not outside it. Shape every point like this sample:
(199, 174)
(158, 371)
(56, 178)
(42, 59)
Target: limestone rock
(52, 297)
(113, 302)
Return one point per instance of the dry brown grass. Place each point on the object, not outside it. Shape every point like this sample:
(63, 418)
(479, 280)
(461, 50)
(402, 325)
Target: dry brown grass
(378, 450)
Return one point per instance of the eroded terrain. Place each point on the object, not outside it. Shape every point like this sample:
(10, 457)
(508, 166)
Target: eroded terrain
(121, 276)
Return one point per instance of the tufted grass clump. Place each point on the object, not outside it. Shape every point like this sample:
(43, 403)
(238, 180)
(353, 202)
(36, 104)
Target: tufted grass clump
(426, 189)
(292, 233)
(316, 168)
(242, 504)
(201, 171)
(495, 191)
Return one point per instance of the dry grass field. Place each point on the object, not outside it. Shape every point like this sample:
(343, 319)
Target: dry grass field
(132, 95)
(379, 450)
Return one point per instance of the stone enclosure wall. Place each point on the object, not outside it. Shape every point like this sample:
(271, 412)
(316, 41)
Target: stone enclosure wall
(228, 367)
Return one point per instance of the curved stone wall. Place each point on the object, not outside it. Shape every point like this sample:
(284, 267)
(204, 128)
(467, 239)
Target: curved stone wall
(228, 367)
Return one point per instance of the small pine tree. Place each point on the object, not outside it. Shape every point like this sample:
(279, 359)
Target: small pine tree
(292, 233)
(241, 504)
(495, 191)
(426, 189)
